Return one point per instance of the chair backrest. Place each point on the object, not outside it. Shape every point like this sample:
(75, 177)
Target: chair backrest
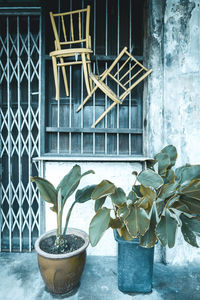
(71, 29)
(126, 72)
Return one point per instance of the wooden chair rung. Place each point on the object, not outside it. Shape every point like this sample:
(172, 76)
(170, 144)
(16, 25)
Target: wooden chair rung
(128, 71)
(118, 82)
(122, 66)
(135, 75)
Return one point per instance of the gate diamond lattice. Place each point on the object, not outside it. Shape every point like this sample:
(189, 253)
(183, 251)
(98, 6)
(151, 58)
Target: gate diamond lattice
(20, 77)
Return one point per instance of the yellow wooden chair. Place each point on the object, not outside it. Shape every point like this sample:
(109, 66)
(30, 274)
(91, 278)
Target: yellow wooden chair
(126, 72)
(73, 40)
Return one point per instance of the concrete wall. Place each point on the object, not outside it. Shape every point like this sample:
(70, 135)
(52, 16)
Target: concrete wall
(118, 173)
(173, 106)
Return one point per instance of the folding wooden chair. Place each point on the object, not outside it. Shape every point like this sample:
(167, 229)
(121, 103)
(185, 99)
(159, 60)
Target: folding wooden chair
(73, 41)
(126, 72)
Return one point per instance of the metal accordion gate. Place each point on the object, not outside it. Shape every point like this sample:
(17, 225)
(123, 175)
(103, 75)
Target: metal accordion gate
(20, 94)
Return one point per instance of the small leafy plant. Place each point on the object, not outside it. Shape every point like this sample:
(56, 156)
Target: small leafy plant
(59, 196)
(161, 200)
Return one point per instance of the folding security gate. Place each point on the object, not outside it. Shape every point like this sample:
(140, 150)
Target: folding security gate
(20, 93)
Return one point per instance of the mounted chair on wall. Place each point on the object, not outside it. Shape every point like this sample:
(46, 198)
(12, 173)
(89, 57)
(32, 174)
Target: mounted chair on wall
(73, 41)
(125, 72)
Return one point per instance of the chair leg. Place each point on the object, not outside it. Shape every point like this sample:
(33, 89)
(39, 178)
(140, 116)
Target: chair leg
(64, 77)
(85, 71)
(87, 98)
(89, 70)
(103, 115)
(55, 73)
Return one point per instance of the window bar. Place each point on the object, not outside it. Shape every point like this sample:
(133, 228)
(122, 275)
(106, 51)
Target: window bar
(19, 139)
(94, 97)
(106, 66)
(58, 104)
(130, 46)
(70, 109)
(29, 128)
(9, 137)
(41, 206)
(118, 43)
(82, 110)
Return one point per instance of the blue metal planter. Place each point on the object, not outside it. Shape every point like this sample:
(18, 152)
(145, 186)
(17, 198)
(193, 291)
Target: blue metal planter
(135, 266)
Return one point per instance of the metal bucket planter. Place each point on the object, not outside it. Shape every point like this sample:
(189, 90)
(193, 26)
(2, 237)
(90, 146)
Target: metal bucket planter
(135, 266)
(62, 272)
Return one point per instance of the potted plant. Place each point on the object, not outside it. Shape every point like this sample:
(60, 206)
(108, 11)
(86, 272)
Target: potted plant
(62, 252)
(161, 200)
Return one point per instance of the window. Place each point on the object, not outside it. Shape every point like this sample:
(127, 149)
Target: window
(114, 24)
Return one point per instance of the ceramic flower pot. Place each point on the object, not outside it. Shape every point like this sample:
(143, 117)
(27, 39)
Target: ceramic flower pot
(135, 266)
(62, 272)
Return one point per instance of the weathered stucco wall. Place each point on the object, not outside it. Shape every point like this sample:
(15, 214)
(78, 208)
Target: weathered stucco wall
(173, 107)
(118, 173)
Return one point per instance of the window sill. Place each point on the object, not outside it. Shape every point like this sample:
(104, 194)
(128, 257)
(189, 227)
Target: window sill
(135, 158)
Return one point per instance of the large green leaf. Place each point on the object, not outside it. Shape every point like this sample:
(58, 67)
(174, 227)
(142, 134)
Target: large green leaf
(123, 212)
(163, 160)
(149, 178)
(132, 196)
(187, 173)
(137, 221)
(149, 196)
(170, 177)
(136, 189)
(46, 189)
(118, 197)
(189, 226)
(149, 239)
(192, 190)
(115, 223)
(166, 229)
(70, 181)
(168, 190)
(172, 152)
(125, 234)
(104, 188)
(84, 194)
(99, 203)
(192, 204)
(98, 225)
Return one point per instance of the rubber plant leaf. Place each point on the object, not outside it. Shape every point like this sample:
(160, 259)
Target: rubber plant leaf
(84, 194)
(192, 190)
(149, 178)
(189, 226)
(46, 189)
(172, 152)
(137, 221)
(168, 190)
(192, 204)
(104, 188)
(187, 173)
(163, 160)
(99, 203)
(170, 177)
(149, 239)
(99, 225)
(118, 197)
(149, 196)
(125, 234)
(166, 229)
(132, 196)
(123, 212)
(115, 223)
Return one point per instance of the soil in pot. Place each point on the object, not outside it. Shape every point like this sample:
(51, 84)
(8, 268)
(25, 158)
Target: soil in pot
(71, 242)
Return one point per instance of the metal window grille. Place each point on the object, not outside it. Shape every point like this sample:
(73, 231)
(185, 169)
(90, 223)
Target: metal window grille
(20, 77)
(114, 24)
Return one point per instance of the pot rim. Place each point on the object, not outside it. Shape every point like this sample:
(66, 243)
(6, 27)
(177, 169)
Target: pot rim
(70, 230)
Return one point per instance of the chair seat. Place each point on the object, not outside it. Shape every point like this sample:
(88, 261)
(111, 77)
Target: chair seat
(69, 52)
(105, 88)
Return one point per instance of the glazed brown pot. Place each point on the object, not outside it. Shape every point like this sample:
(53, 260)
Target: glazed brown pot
(62, 272)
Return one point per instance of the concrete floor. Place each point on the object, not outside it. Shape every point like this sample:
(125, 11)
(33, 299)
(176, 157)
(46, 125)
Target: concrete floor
(20, 280)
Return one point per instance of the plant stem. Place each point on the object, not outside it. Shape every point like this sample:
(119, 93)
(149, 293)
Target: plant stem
(68, 217)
